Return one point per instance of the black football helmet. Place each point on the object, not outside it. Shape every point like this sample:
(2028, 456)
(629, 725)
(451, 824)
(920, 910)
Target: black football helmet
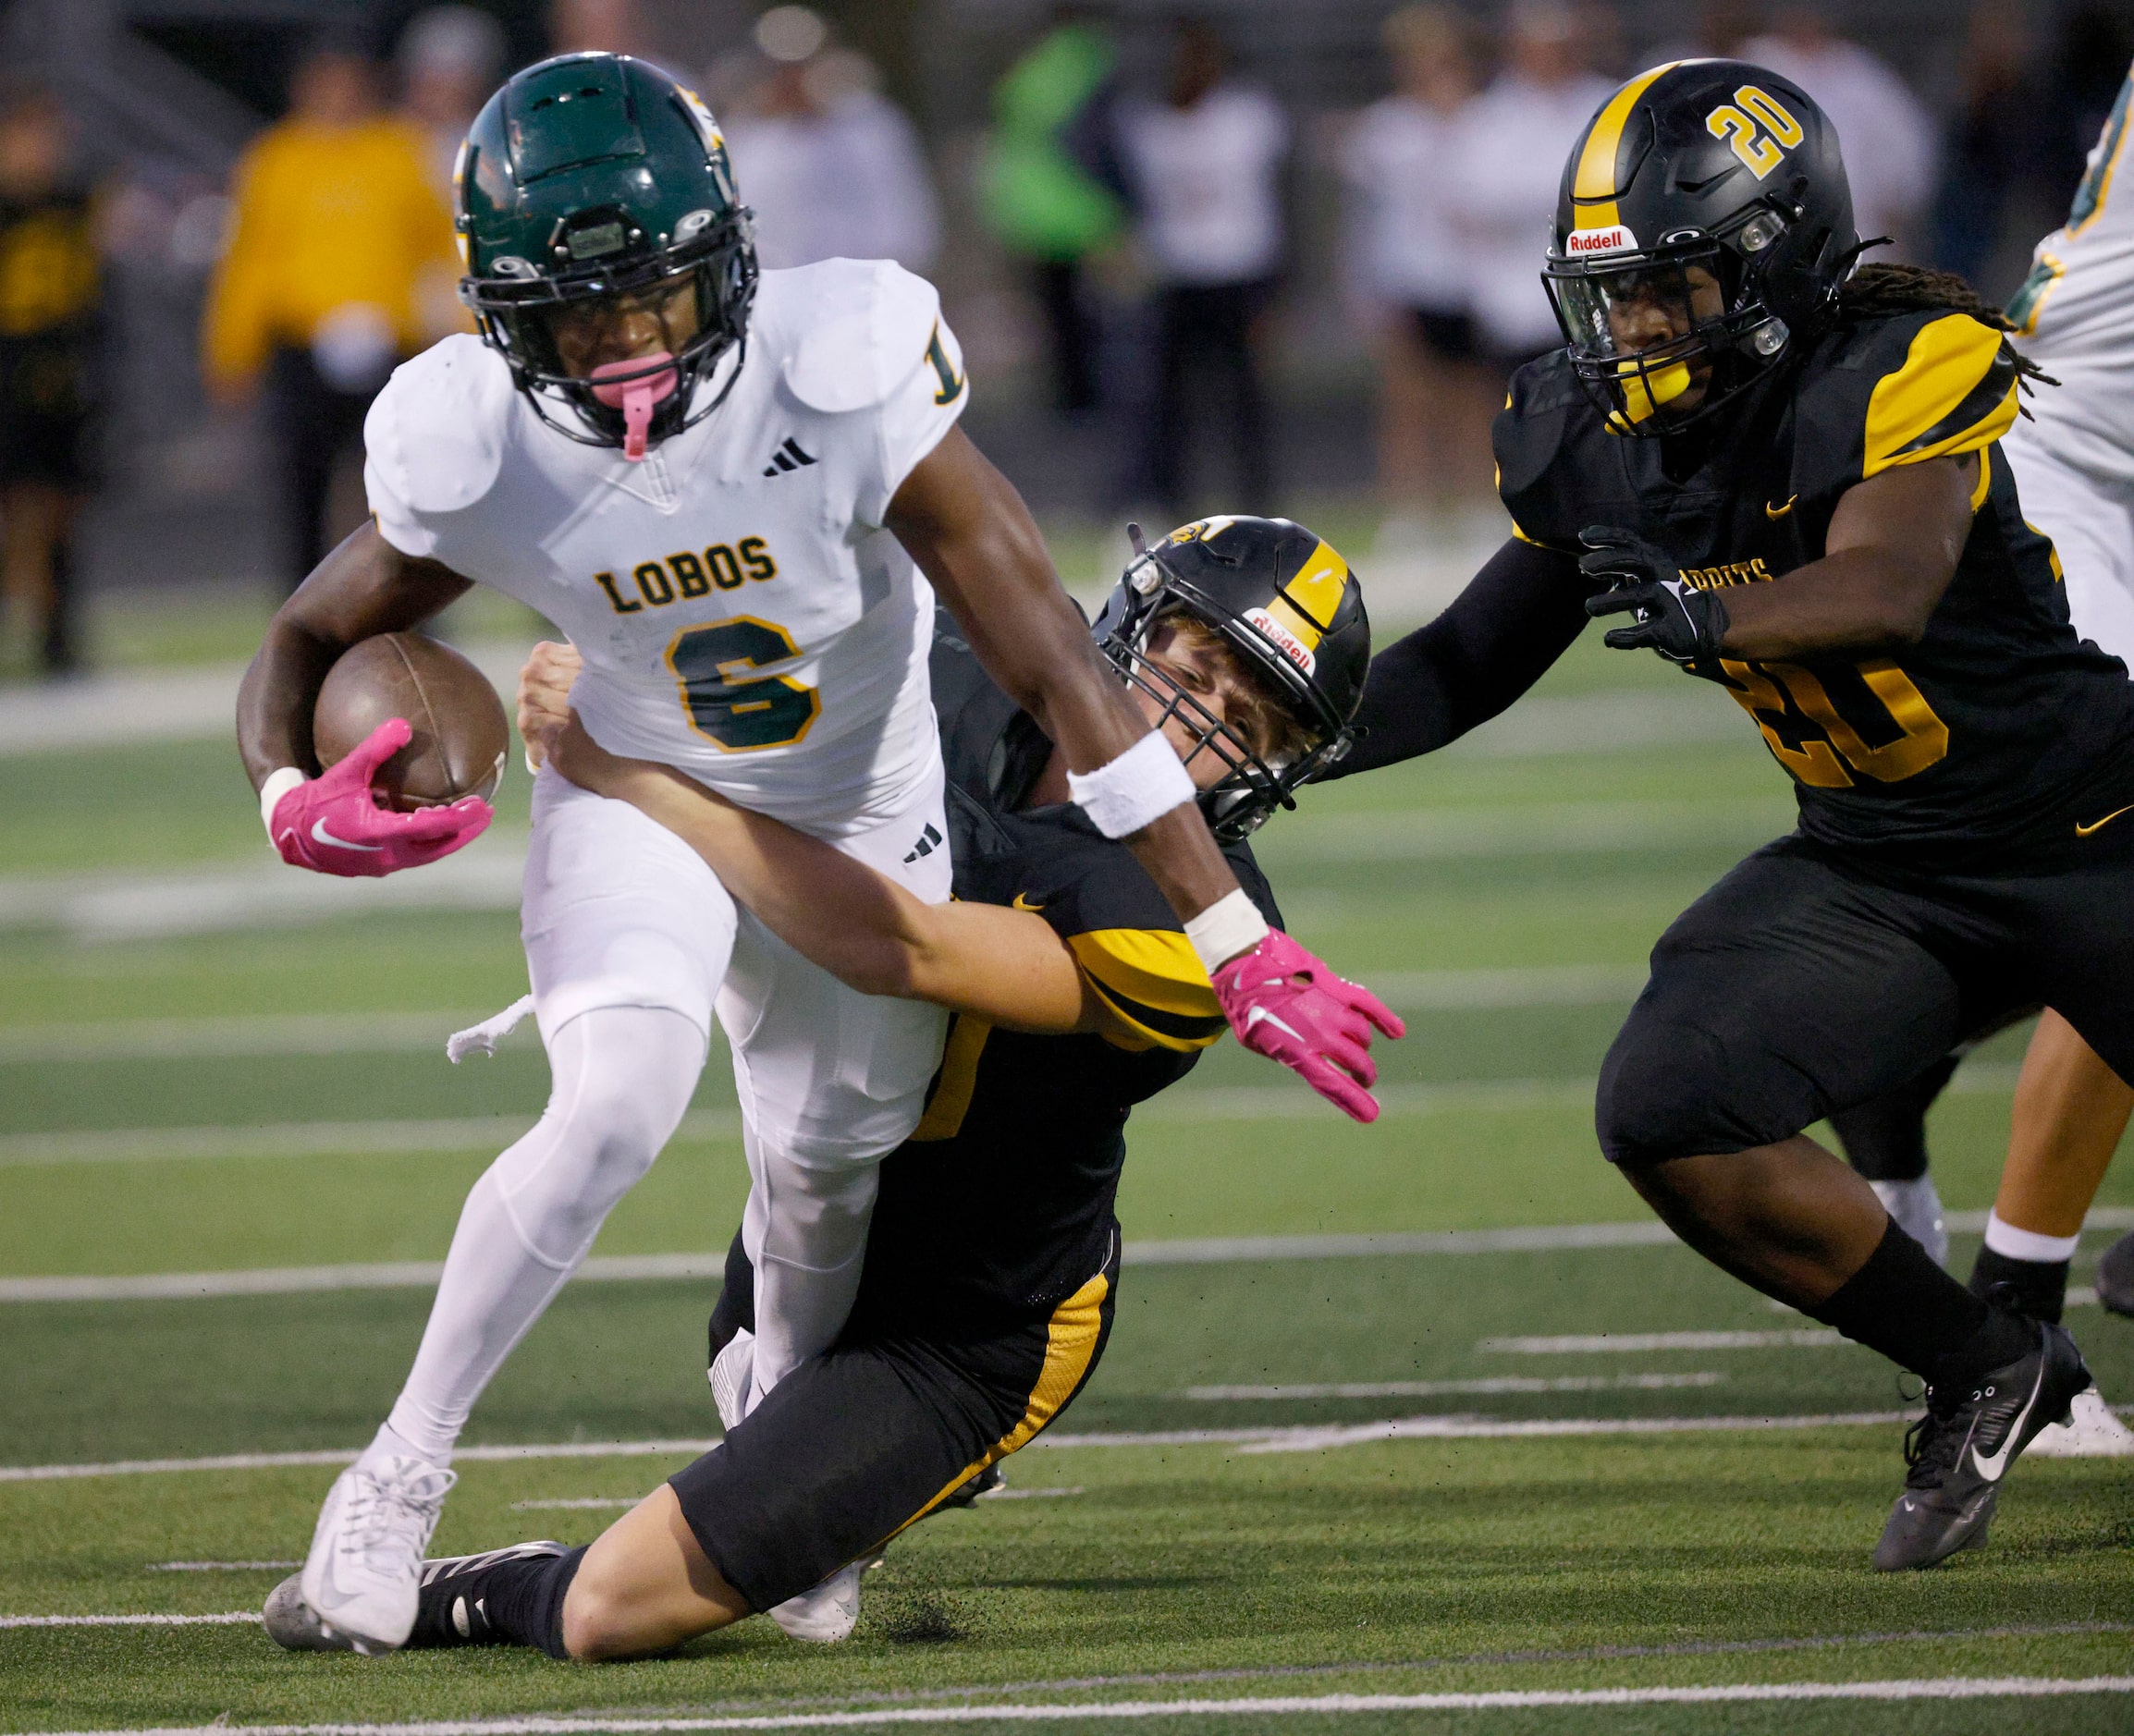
(1702, 229)
(1287, 604)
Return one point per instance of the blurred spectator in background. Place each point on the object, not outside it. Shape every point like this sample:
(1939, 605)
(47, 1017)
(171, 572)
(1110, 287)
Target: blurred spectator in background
(1999, 142)
(336, 221)
(51, 338)
(610, 26)
(1401, 161)
(833, 168)
(1514, 138)
(1053, 189)
(1723, 29)
(1886, 136)
(450, 58)
(1205, 166)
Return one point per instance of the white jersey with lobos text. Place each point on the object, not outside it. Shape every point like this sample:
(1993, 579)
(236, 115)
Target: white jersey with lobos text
(2075, 316)
(741, 611)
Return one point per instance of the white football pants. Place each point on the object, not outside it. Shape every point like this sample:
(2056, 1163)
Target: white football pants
(2091, 521)
(633, 945)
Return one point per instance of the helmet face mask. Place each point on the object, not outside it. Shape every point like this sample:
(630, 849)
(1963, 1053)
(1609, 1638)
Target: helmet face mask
(1285, 611)
(1703, 225)
(599, 223)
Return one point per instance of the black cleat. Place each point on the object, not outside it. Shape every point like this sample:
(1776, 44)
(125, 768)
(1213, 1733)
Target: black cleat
(450, 1607)
(2115, 1276)
(1963, 1447)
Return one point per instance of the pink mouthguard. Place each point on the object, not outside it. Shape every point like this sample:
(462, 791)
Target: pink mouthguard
(628, 387)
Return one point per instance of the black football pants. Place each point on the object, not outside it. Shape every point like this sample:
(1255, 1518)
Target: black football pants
(1810, 981)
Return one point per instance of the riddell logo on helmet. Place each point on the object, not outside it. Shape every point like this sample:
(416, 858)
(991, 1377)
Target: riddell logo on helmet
(1615, 240)
(1290, 646)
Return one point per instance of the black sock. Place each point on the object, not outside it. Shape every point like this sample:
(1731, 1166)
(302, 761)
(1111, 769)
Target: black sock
(1901, 1304)
(522, 1601)
(2037, 1288)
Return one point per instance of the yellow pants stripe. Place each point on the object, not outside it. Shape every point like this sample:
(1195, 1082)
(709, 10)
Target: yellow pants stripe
(1070, 1346)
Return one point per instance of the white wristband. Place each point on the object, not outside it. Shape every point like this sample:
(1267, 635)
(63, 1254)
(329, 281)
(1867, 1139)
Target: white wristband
(2005, 1239)
(278, 783)
(1143, 784)
(1231, 926)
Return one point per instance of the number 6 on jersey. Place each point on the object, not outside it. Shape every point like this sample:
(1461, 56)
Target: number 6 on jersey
(739, 713)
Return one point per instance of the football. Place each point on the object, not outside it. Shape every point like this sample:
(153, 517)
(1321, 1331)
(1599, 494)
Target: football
(460, 737)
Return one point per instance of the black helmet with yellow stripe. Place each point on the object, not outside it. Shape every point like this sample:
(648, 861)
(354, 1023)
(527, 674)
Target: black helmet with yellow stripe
(1285, 604)
(1702, 229)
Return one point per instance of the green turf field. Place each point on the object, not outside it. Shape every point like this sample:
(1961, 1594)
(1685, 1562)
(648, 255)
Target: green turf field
(1321, 1490)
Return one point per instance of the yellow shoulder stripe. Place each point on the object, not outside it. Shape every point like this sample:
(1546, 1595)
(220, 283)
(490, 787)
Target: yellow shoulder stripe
(1152, 979)
(1956, 392)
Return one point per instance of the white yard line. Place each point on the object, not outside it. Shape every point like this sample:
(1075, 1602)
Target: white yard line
(610, 1503)
(1940, 1688)
(1588, 1343)
(1446, 1388)
(1202, 1250)
(227, 1619)
(218, 1567)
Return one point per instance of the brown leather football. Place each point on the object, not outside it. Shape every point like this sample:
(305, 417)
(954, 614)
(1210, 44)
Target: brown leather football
(460, 737)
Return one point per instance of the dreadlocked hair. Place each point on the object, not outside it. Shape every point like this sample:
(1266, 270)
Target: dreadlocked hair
(1874, 289)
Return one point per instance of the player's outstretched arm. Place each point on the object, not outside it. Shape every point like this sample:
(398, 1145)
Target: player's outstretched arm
(331, 823)
(973, 537)
(1493, 641)
(971, 534)
(1005, 966)
(1889, 556)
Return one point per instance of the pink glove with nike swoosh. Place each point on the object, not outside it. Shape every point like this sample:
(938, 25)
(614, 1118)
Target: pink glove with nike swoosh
(1287, 1005)
(333, 824)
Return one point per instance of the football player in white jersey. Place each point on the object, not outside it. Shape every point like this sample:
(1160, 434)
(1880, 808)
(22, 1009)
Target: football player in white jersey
(724, 492)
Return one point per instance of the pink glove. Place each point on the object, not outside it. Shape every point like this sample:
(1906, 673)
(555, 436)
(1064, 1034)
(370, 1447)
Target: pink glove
(1285, 1004)
(334, 824)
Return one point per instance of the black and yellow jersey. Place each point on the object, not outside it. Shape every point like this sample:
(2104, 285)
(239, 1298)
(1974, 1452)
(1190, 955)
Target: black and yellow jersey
(51, 304)
(1001, 1199)
(2000, 722)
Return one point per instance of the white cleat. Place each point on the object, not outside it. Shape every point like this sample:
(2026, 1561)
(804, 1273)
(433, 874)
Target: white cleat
(366, 1566)
(2090, 1432)
(732, 1373)
(829, 1612)
(1917, 1207)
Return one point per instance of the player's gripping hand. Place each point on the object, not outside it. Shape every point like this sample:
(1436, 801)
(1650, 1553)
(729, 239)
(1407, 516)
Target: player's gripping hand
(544, 697)
(1683, 624)
(333, 824)
(1287, 1005)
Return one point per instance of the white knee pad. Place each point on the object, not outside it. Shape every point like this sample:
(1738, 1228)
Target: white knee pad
(623, 1078)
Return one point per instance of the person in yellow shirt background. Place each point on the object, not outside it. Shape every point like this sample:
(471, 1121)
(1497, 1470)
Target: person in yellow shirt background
(337, 224)
(52, 344)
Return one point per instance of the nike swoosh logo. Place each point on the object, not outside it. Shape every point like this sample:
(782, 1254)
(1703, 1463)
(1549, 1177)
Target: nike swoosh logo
(319, 831)
(1260, 1013)
(2098, 825)
(1990, 1466)
(1021, 902)
(1771, 512)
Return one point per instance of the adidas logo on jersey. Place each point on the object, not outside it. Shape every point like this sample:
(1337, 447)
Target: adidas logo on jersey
(787, 458)
(926, 845)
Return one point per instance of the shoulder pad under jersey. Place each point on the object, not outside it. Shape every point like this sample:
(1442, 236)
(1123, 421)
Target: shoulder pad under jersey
(1904, 388)
(846, 332)
(1534, 439)
(437, 432)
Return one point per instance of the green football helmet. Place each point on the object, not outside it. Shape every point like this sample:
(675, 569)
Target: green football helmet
(593, 195)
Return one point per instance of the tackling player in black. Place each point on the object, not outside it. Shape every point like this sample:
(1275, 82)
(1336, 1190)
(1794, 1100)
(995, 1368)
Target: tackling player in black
(1785, 475)
(993, 1255)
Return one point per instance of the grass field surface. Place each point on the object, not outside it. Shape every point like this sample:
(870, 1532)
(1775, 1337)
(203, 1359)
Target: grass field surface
(1411, 1490)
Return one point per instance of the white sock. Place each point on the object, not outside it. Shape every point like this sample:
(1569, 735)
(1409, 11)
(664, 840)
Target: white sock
(2005, 1239)
(807, 1231)
(622, 1078)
